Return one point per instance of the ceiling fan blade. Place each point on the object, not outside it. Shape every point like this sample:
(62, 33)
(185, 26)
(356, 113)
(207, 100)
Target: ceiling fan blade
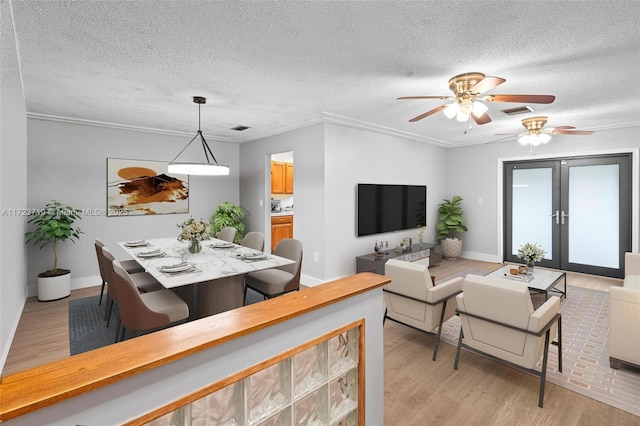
(483, 119)
(506, 134)
(571, 132)
(563, 127)
(425, 97)
(428, 113)
(533, 99)
(486, 84)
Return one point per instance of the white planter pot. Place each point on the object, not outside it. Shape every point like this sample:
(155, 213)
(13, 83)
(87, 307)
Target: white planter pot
(451, 248)
(54, 288)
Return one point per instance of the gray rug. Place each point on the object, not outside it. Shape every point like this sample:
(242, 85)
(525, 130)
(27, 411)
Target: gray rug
(87, 330)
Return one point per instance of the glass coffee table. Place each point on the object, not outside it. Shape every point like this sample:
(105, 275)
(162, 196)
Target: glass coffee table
(542, 281)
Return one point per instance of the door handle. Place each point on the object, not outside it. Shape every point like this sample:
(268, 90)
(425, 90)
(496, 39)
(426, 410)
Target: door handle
(563, 216)
(557, 216)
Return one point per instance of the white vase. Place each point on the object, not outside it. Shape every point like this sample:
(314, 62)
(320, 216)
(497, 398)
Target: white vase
(54, 288)
(451, 248)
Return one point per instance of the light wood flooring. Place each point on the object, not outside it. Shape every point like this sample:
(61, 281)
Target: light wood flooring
(418, 391)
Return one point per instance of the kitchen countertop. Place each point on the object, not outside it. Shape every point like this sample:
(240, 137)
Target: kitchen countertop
(283, 213)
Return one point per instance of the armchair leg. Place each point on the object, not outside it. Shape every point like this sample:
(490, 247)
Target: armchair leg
(560, 343)
(543, 373)
(455, 364)
(437, 342)
(384, 318)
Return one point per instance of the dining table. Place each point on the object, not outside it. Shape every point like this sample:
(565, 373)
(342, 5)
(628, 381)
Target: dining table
(210, 281)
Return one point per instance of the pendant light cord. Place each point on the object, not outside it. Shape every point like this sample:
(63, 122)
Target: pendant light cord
(205, 145)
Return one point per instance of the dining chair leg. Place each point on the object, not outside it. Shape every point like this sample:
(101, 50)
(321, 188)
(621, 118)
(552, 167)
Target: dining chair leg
(101, 292)
(118, 327)
(109, 309)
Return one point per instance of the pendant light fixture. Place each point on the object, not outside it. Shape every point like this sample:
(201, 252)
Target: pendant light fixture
(192, 168)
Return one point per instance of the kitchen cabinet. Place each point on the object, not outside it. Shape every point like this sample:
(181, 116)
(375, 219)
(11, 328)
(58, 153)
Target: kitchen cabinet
(281, 227)
(288, 178)
(281, 178)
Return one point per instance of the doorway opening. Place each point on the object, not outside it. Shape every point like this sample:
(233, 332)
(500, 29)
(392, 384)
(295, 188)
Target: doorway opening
(282, 203)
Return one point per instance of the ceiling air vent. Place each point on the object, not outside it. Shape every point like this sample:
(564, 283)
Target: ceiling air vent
(240, 128)
(519, 110)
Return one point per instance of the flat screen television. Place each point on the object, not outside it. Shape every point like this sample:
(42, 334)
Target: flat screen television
(388, 208)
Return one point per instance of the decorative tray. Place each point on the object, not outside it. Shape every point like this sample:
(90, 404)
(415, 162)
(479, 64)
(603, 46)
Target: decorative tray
(520, 277)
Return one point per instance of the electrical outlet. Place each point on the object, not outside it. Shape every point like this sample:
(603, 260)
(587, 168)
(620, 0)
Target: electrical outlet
(260, 203)
(316, 257)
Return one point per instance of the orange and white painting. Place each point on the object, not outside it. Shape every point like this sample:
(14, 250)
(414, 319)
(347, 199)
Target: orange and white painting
(139, 187)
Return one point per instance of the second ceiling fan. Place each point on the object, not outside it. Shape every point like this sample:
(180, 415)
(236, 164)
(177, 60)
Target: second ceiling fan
(467, 90)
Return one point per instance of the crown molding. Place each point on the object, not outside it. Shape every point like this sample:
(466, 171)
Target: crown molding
(69, 120)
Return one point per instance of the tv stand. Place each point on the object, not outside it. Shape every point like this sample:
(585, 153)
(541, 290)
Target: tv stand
(418, 252)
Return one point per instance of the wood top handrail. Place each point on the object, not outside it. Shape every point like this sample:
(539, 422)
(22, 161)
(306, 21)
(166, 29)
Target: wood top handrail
(48, 384)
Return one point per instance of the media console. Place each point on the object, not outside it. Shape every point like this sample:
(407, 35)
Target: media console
(371, 263)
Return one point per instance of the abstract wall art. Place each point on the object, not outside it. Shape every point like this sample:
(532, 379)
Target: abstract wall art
(141, 187)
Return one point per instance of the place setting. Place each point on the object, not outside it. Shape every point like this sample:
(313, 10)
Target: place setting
(177, 269)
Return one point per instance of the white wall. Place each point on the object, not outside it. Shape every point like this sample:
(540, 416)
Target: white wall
(307, 145)
(13, 185)
(67, 162)
(355, 156)
(473, 173)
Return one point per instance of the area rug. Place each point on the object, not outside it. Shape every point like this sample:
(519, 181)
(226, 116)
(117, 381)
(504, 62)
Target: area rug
(585, 352)
(87, 329)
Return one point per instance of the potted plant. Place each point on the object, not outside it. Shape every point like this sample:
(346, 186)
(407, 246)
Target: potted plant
(53, 224)
(228, 214)
(450, 221)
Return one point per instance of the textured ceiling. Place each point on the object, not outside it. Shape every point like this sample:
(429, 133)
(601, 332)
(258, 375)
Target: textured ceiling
(274, 66)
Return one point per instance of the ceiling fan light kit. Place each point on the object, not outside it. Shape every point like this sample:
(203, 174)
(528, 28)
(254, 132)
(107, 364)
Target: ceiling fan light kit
(536, 134)
(468, 103)
(208, 168)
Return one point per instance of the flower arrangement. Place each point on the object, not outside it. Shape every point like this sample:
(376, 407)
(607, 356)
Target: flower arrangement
(192, 229)
(531, 252)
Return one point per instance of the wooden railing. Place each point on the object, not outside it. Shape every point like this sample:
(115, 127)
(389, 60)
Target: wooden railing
(44, 386)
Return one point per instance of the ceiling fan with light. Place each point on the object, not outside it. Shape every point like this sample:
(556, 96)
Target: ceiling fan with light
(536, 134)
(467, 90)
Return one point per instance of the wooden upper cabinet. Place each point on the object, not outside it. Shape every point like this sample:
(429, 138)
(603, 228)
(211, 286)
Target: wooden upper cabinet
(281, 178)
(277, 177)
(288, 178)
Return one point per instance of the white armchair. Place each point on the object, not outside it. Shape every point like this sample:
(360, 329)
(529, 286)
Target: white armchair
(498, 321)
(411, 298)
(624, 316)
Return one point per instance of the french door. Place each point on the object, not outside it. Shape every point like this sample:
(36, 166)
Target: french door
(577, 209)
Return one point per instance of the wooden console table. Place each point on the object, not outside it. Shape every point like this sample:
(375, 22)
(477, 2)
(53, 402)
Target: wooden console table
(371, 263)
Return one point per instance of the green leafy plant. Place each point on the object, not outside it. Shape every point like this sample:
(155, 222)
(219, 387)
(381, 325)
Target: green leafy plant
(229, 214)
(450, 218)
(54, 223)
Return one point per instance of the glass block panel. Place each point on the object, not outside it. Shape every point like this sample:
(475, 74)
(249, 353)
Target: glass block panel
(343, 396)
(343, 352)
(312, 409)
(224, 407)
(283, 418)
(269, 390)
(175, 418)
(310, 369)
(350, 420)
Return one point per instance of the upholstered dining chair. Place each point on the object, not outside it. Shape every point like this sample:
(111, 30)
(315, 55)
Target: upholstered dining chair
(412, 300)
(130, 265)
(228, 233)
(145, 311)
(142, 280)
(283, 279)
(498, 321)
(254, 240)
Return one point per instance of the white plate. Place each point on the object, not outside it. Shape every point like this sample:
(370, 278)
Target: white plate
(175, 268)
(154, 253)
(136, 243)
(254, 256)
(222, 245)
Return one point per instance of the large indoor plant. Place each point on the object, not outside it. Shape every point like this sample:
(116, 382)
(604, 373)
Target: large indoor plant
(228, 214)
(450, 222)
(52, 224)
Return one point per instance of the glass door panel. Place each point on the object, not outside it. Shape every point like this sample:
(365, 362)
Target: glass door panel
(594, 206)
(532, 204)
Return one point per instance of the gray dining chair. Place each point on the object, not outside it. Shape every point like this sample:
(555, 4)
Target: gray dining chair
(254, 240)
(283, 279)
(141, 312)
(228, 233)
(130, 265)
